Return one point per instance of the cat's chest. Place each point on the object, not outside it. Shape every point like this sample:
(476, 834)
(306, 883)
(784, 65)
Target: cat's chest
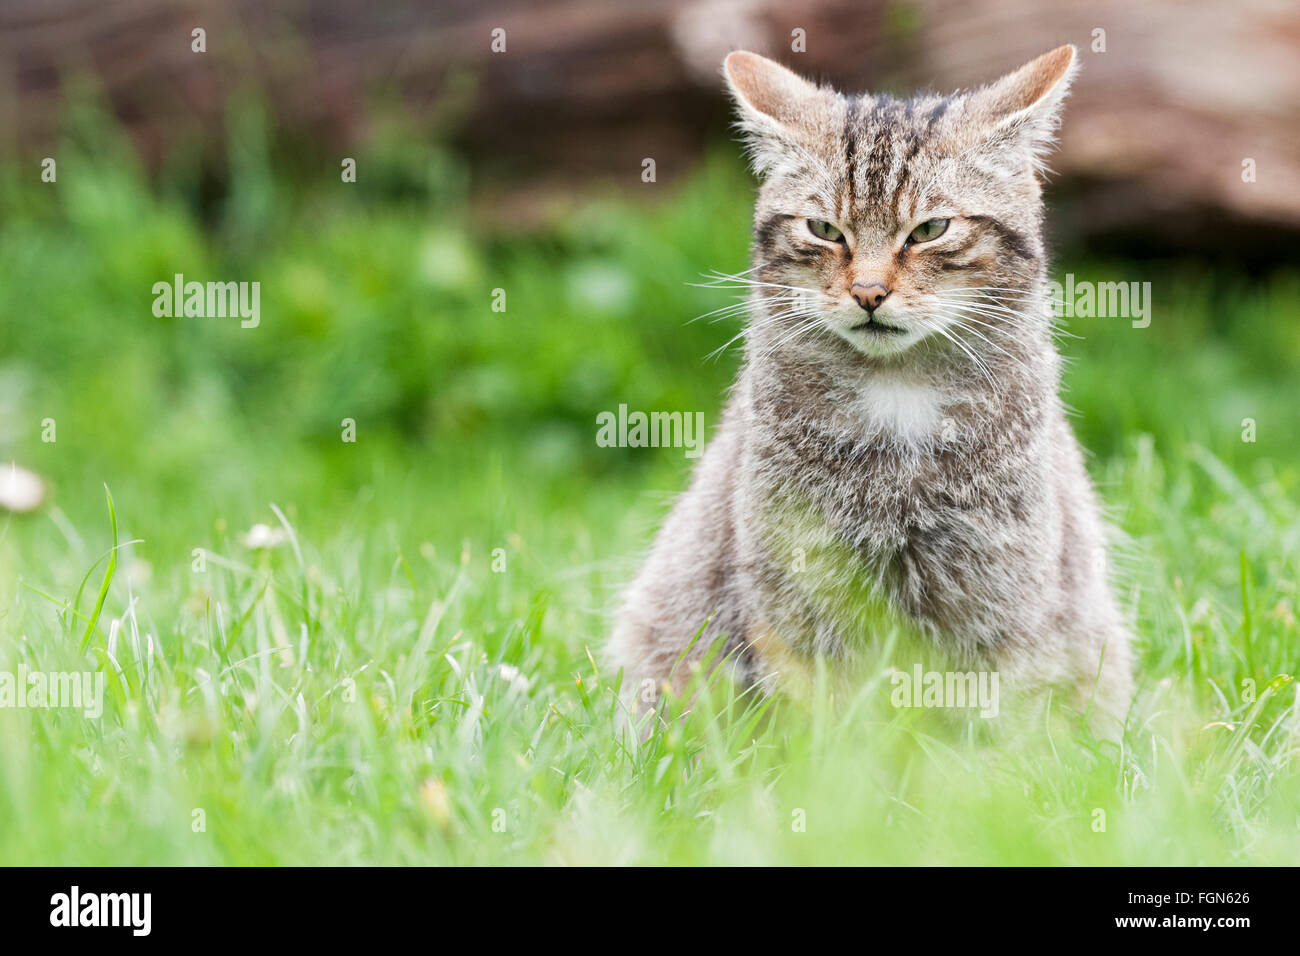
(867, 493)
(877, 458)
(898, 468)
(899, 411)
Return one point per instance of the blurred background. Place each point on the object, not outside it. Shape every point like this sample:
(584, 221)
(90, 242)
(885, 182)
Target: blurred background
(1175, 95)
(455, 563)
(501, 145)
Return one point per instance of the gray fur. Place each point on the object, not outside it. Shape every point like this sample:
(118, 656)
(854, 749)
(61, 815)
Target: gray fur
(931, 469)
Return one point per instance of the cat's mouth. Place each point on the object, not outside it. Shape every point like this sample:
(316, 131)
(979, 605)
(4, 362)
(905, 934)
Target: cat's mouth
(876, 327)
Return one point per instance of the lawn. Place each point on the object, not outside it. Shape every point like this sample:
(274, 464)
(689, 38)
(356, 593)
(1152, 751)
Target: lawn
(403, 665)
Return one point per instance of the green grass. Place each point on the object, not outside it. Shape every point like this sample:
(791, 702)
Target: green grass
(374, 689)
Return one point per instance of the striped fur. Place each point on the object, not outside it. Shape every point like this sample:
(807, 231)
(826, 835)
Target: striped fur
(923, 460)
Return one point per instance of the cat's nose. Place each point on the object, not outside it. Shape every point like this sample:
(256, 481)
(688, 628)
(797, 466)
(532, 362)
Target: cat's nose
(869, 295)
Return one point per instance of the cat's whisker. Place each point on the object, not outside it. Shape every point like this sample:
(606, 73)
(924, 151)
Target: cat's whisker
(987, 290)
(806, 322)
(994, 299)
(1005, 322)
(988, 294)
(1008, 318)
(745, 304)
(961, 323)
(1028, 279)
(1057, 328)
(984, 320)
(743, 277)
(957, 323)
(744, 333)
(962, 319)
(765, 321)
(722, 313)
(975, 361)
(734, 282)
(980, 304)
(984, 307)
(790, 339)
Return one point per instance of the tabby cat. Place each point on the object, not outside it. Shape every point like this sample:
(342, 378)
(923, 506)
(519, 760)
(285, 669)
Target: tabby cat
(895, 436)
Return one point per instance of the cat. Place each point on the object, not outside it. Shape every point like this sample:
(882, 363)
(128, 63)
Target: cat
(895, 436)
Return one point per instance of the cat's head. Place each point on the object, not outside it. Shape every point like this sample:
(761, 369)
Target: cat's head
(888, 222)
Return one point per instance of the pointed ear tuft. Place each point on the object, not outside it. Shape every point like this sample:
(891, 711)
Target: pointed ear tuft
(775, 105)
(1042, 82)
(768, 88)
(1023, 108)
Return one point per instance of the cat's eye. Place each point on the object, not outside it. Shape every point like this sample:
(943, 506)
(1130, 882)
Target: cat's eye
(930, 229)
(824, 230)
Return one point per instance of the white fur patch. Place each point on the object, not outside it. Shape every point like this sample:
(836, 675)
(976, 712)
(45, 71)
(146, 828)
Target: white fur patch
(901, 405)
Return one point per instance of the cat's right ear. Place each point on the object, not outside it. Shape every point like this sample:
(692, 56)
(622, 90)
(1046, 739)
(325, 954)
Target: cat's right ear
(1021, 111)
(777, 108)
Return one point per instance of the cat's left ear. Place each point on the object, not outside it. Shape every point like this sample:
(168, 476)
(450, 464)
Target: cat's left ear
(1023, 109)
(778, 109)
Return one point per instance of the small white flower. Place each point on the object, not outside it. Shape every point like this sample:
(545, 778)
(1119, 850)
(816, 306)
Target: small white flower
(140, 571)
(263, 536)
(510, 674)
(20, 489)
